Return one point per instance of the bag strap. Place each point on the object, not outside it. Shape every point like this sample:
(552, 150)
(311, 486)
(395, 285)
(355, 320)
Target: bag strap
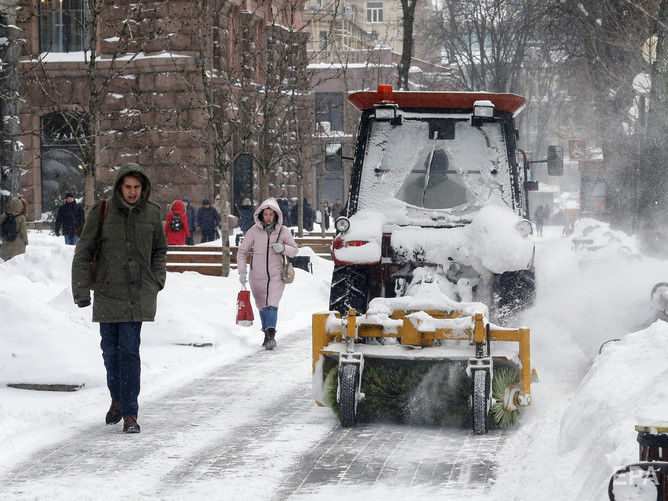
(277, 237)
(101, 216)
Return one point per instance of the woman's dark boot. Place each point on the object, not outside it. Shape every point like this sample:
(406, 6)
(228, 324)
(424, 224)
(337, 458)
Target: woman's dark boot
(270, 342)
(114, 414)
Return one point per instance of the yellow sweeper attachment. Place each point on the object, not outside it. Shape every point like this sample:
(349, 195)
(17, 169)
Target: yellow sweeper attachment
(431, 367)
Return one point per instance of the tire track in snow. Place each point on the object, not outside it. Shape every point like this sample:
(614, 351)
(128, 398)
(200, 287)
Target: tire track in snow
(383, 457)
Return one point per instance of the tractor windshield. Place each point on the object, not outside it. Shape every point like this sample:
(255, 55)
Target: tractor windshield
(434, 162)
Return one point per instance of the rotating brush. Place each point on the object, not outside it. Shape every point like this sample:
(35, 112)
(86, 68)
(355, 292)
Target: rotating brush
(505, 377)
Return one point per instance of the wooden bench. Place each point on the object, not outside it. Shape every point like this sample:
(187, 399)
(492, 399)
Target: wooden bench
(207, 260)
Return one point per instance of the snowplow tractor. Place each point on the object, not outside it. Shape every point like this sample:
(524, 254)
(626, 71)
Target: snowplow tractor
(433, 259)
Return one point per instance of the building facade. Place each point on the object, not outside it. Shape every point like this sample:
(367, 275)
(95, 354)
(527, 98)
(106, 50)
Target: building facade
(185, 88)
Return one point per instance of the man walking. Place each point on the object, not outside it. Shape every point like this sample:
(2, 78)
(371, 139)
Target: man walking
(69, 219)
(130, 272)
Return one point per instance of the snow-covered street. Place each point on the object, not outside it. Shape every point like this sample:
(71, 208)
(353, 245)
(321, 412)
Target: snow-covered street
(250, 430)
(232, 421)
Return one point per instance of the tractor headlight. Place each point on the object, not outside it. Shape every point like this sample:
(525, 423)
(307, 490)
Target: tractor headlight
(342, 224)
(524, 227)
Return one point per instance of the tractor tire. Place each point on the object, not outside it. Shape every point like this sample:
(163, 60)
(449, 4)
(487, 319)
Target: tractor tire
(350, 289)
(347, 395)
(513, 291)
(480, 401)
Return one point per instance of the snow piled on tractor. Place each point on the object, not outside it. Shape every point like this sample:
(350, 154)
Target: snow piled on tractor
(490, 243)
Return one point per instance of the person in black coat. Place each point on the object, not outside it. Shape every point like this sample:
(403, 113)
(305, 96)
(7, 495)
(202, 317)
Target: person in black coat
(192, 220)
(309, 216)
(246, 215)
(208, 220)
(69, 219)
(285, 210)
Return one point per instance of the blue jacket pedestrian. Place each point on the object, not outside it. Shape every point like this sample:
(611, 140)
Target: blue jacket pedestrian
(208, 220)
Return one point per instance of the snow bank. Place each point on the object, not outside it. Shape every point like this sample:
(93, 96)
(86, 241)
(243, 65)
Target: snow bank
(625, 386)
(580, 425)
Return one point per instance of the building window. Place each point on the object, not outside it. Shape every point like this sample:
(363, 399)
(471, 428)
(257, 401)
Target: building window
(62, 170)
(374, 12)
(323, 40)
(329, 108)
(64, 25)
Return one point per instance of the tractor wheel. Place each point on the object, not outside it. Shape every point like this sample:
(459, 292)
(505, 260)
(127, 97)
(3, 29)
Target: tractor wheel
(513, 291)
(350, 289)
(348, 390)
(480, 401)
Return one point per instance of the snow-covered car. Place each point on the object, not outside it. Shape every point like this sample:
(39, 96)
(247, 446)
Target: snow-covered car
(435, 187)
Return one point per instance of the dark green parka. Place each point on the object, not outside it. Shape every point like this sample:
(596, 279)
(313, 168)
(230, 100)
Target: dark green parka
(131, 266)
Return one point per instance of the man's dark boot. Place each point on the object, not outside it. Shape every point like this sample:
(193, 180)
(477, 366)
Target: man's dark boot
(266, 338)
(114, 414)
(270, 333)
(130, 424)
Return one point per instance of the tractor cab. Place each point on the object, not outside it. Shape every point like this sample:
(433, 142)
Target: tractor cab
(435, 184)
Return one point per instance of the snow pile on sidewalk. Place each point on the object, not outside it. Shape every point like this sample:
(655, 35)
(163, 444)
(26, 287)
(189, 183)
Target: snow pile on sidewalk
(47, 339)
(625, 386)
(578, 308)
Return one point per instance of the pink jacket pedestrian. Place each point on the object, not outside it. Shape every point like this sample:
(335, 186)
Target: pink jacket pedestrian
(269, 240)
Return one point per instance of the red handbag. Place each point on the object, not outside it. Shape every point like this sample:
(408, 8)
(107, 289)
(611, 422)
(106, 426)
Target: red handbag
(244, 308)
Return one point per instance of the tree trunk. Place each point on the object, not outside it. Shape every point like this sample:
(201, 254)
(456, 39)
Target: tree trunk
(300, 207)
(408, 8)
(224, 225)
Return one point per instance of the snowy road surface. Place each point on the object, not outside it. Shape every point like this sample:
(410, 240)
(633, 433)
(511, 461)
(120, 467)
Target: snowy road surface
(250, 430)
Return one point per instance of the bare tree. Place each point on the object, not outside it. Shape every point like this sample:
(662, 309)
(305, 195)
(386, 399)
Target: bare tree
(11, 149)
(603, 42)
(485, 41)
(84, 106)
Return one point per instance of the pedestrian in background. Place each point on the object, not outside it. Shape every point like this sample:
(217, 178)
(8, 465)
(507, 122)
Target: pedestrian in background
(337, 209)
(308, 215)
(269, 240)
(13, 229)
(69, 219)
(176, 224)
(285, 210)
(192, 220)
(539, 220)
(326, 213)
(130, 273)
(218, 205)
(208, 220)
(246, 218)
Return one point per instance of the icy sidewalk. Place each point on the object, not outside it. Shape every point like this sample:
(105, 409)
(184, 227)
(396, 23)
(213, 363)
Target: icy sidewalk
(204, 419)
(250, 430)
